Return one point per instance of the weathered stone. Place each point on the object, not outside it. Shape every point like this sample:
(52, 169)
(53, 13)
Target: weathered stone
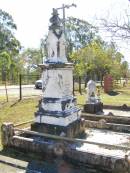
(93, 103)
(124, 107)
(71, 130)
(107, 163)
(93, 108)
(102, 124)
(110, 114)
(121, 166)
(110, 119)
(7, 132)
(58, 109)
(91, 92)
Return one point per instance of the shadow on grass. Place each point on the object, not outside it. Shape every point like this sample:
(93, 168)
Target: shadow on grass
(15, 103)
(113, 93)
(5, 103)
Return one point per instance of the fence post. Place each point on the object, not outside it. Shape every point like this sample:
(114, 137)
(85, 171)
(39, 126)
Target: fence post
(7, 99)
(7, 132)
(20, 87)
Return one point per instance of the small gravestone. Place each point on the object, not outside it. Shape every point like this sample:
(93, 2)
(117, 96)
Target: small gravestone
(93, 103)
(58, 113)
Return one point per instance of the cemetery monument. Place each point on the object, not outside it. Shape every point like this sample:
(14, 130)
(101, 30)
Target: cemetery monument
(58, 113)
(93, 103)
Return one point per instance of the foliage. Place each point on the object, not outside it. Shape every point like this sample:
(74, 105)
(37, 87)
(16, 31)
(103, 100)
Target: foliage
(5, 62)
(30, 58)
(124, 69)
(90, 54)
(9, 45)
(97, 59)
(8, 42)
(79, 33)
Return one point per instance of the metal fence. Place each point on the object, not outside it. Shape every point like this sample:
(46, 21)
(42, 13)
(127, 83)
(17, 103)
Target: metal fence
(23, 87)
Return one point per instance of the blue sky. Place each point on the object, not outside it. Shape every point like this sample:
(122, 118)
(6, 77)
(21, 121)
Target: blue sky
(32, 16)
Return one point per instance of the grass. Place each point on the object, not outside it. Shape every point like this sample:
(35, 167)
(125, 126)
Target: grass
(22, 111)
(119, 97)
(122, 97)
(17, 112)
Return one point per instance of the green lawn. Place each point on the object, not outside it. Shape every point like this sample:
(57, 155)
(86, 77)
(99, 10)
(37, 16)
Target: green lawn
(17, 112)
(21, 111)
(122, 96)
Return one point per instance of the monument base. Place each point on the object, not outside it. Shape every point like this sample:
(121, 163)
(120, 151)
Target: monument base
(74, 129)
(93, 107)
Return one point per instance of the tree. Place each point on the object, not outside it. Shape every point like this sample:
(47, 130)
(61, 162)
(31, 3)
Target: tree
(8, 42)
(97, 59)
(5, 62)
(79, 33)
(31, 58)
(124, 69)
(119, 27)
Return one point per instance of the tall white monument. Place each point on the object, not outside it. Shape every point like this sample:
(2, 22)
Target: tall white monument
(58, 113)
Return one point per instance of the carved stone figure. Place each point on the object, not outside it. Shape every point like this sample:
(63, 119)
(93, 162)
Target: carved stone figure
(93, 103)
(91, 91)
(56, 44)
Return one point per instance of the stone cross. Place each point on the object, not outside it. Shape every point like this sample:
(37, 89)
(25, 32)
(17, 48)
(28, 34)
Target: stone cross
(63, 9)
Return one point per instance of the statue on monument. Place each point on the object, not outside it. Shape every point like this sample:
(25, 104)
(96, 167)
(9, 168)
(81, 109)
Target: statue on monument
(93, 103)
(56, 44)
(91, 92)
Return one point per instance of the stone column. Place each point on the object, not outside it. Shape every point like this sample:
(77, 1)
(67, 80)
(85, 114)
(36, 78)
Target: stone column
(7, 132)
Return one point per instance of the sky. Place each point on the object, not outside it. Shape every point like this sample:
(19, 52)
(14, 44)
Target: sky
(32, 17)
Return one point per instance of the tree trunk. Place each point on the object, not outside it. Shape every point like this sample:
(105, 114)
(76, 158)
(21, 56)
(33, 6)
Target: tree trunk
(6, 90)
(102, 76)
(80, 89)
(3, 74)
